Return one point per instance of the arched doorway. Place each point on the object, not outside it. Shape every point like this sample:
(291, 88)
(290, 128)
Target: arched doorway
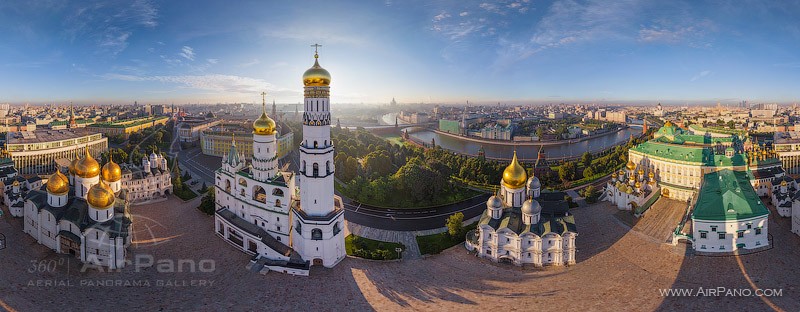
(317, 261)
(259, 194)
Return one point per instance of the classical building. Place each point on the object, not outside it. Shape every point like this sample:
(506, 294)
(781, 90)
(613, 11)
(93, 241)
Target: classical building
(189, 131)
(787, 146)
(728, 214)
(216, 141)
(680, 159)
(128, 126)
(720, 178)
(520, 227)
(263, 212)
(84, 215)
(36, 152)
(149, 181)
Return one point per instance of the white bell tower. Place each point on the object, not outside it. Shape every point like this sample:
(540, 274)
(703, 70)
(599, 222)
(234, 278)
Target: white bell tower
(317, 233)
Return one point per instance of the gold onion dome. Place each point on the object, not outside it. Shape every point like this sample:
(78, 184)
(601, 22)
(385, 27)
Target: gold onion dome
(641, 171)
(668, 124)
(651, 175)
(111, 171)
(72, 165)
(87, 167)
(100, 195)
(316, 76)
(631, 165)
(264, 125)
(638, 184)
(58, 183)
(514, 176)
(783, 183)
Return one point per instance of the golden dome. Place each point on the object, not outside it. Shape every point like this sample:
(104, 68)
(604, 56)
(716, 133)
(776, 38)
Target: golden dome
(638, 184)
(316, 76)
(100, 196)
(783, 183)
(72, 165)
(16, 183)
(631, 177)
(111, 171)
(651, 175)
(668, 124)
(631, 165)
(264, 125)
(58, 184)
(614, 175)
(514, 176)
(87, 167)
(641, 171)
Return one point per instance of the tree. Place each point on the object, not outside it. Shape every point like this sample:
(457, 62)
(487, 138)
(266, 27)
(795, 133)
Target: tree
(731, 124)
(455, 224)
(588, 172)
(586, 159)
(590, 193)
(377, 163)
(204, 188)
(157, 137)
(207, 204)
(568, 198)
(567, 171)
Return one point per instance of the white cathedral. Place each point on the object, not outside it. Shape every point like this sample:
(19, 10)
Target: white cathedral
(84, 215)
(523, 226)
(286, 221)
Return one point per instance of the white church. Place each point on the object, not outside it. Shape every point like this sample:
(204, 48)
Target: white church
(287, 221)
(84, 215)
(523, 226)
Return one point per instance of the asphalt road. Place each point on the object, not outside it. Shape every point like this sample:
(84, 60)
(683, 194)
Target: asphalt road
(412, 219)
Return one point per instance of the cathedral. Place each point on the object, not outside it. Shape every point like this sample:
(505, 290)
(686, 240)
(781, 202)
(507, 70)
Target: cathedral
(522, 226)
(84, 215)
(287, 221)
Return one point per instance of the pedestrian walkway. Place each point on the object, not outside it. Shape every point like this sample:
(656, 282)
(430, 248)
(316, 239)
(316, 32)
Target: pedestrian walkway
(407, 238)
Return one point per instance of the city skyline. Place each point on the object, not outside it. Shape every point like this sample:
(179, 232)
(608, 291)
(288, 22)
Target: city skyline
(443, 52)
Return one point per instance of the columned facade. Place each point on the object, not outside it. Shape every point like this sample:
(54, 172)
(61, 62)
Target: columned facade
(36, 152)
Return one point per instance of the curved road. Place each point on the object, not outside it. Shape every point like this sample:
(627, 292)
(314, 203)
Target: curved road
(411, 219)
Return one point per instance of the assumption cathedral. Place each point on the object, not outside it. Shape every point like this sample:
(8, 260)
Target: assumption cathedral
(286, 221)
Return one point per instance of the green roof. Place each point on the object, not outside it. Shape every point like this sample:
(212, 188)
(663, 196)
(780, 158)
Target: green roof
(686, 153)
(727, 195)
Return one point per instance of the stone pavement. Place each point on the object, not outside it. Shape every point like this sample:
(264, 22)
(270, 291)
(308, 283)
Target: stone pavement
(407, 238)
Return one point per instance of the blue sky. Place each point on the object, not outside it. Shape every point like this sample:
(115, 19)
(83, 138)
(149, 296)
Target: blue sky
(430, 51)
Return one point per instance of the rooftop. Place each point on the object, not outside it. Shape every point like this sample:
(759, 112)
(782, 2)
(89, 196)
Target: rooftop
(39, 136)
(791, 137)
(692, 154)
(727, 195)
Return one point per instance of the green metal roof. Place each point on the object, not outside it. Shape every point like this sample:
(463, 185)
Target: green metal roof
(689, 154)
(727, 195)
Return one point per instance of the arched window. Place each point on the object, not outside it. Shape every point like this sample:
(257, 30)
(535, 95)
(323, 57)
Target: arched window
(242, 193)
(277, 192)
(315, 144)
(277, 203)
(316, 169)
(242, 182)
(298, 227)
(328, 167)
(336, 228)
(259, 194)
(227, 185)
(304, 166)
(316, 234)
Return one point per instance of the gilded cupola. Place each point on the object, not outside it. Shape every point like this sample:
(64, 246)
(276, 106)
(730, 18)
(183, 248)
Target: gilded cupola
(111, 172)
(263, 125)
(87, 167)
(514, 176)
(57, 184)
(316, 76)
(100, 196)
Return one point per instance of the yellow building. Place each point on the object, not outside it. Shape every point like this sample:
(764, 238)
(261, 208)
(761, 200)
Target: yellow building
(128, 126)
(215, 142)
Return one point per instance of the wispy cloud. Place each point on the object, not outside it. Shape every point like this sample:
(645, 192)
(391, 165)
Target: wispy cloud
(700, 75)
(212, 61)
(187, 52)
(672, 33)
(216, 83)
(110, 24)
(250, 63)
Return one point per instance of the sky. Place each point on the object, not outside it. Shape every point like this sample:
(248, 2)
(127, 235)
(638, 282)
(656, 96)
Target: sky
(451, 51)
